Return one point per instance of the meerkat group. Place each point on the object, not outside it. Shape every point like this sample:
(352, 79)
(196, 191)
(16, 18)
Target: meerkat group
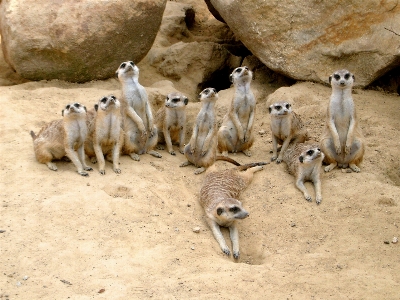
(126, 126)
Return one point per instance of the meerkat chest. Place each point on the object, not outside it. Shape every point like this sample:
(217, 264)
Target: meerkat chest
(174, 119)
(341, 110)
(75, 131)
(281, 127)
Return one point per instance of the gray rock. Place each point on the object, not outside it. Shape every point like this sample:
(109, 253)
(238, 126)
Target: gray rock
(309, 40)
(76, 41)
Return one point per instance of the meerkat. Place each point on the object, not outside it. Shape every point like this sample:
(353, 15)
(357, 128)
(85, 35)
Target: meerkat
(236, 131)
(286, 127)
(62, 138)
(202, 147)
(342, 142)
(140, 132)
(105, 133)
(218, 197)
(304, 161)
(170, 121)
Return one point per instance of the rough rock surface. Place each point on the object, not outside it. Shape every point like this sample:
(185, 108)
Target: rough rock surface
(76, 41)
(309, 41)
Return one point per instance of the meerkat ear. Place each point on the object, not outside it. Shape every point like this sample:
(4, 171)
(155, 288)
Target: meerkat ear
(301, 159)
(220, 210)
(270, 109)
(186, 101)
(354, 78)
(96, 107)
(116, 74)
(231, 78)
(62, 113)
(85, 108)
(330, 79)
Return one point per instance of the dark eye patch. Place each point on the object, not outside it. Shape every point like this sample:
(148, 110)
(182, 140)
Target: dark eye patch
(131, 62)
(310, 152)
(238, 70)
(68, 106)
(175, 100)
(123, 65)
(104, 100)
(336, 76)
(287, 106)
(77, 105)
(234, 209)
(347, 76)
(278, 107)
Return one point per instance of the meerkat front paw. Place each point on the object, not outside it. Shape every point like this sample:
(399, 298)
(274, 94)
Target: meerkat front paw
(247, 152)
(102, 172)
(226, 251)
(236, 255)
(354, 168)
(308, 197)
(93, 160)
(117, 171)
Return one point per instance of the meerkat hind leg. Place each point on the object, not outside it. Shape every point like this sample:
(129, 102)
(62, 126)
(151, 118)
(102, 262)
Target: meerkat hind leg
(301, 187)
(52, 166)
(199, 170)
(247, 152)
(154, 153)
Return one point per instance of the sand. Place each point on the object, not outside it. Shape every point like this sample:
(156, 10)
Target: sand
(131, 235)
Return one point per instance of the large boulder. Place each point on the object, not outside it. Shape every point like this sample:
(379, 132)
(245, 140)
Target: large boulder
(309, 40)
(76, 40)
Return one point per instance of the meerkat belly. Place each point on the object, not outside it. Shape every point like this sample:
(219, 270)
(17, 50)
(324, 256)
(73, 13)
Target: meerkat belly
(342, 123)
(281, 129)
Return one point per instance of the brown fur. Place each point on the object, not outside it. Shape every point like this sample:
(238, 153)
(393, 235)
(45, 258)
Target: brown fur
(64, 137)
(286, 127)
(342, 141)
(105, 136)
(218, 197)
(201, 150)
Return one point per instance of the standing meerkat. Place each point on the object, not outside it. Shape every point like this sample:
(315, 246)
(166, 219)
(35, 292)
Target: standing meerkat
(218, 197)
(140, 133)
(202, 148)
(105, 133)
(342, 142)
(61, 138)
(304, 161)
(286, 127)
(170, 121)
(236, 131)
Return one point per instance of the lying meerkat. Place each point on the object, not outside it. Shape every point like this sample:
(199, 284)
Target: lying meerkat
(286, 127)
(140, 133)
(304, 161)
(202, 148)
(342, 142)
(218, 197)
(61, 138)
(105, 133)
(236, 131)
(170, 121)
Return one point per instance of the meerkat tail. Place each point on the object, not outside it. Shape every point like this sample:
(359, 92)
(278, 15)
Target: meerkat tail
(251, 165)
(33, 135)
(228, 159)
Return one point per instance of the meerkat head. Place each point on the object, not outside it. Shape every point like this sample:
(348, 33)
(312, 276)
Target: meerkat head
(241, 74)
(107, 102)
(312, 153)
(342, 79)
(229, 210)
(73, 108)
(127, 69)
(280, 109)
(208, 94)
(175, 100)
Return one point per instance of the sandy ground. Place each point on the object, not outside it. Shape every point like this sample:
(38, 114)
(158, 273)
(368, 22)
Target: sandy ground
(130, 236)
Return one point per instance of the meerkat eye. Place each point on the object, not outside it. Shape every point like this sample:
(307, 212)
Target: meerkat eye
(278, 107)
(206, 91)
(234, 209)
(131, 62)
(336, 76)
(319, 149)
(287, 106)
(104, 100)
(77, 105)
(347, 76)
(68, 106)
(238, 70)
(123, 65)
(113, 97)
(310, 152)
(175, 100)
